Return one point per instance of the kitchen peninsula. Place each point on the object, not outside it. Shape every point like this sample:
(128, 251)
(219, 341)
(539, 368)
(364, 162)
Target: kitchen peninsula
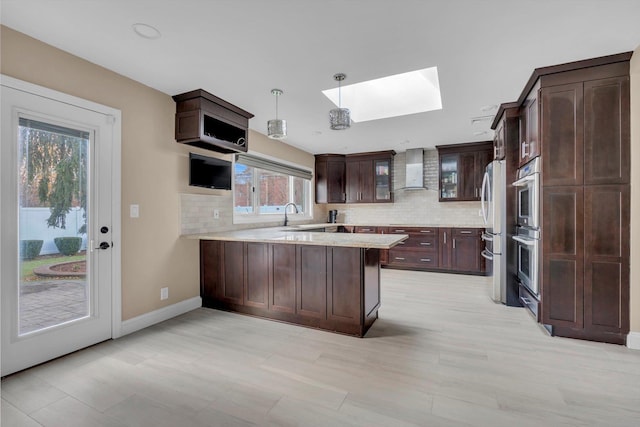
(329, 281)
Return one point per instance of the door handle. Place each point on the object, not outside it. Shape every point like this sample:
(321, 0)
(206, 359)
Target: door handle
(104, 245)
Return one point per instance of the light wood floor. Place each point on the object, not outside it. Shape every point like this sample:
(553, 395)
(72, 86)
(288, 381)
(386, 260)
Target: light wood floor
(441, 354)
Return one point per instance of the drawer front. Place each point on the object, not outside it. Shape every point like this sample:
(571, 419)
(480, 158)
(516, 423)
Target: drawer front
(462, 232)
(413, 258)
(365, 229)
(416, 241)
(423, 231)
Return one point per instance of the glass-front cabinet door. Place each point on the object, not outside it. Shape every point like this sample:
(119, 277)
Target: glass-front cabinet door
(382, 171)
(449, 176)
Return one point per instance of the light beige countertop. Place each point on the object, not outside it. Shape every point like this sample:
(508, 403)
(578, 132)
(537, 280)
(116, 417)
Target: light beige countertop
(296, 235)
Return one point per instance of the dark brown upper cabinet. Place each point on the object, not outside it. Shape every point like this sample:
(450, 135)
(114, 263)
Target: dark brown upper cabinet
(355, 178)
(206, 121)
(330, 178)
(461, 169)
(369, 177)
(529, 134)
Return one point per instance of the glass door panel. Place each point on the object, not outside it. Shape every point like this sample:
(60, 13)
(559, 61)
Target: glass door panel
(52, 218)
(449, 177)
(383, 179)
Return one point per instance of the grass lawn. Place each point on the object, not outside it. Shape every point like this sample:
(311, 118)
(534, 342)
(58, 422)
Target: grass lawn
(27, 266)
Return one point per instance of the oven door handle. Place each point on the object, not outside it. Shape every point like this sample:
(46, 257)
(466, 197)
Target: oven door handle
(485, 253)
(524, 181)
(487, 237)
(528, 242)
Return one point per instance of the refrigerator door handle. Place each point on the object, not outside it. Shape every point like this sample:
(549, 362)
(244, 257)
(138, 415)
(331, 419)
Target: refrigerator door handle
(483, 200)
(487, 237)
(486, 254)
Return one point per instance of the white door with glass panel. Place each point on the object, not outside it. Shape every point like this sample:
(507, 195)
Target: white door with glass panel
(56, 226)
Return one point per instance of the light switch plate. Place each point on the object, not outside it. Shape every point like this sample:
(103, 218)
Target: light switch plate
(134, 211)
(164, 293)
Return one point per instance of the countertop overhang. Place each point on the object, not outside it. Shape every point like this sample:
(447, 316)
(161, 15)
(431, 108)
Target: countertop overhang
(296, 235)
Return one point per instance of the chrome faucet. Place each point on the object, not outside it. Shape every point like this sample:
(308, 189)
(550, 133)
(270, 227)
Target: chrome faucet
(286, 220)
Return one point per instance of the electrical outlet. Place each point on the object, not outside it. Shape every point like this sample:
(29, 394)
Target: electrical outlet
(164, 293)
(134, 211)
(216, 214)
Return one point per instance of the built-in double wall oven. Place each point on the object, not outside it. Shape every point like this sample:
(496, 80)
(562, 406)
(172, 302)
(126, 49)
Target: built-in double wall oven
(527, 236)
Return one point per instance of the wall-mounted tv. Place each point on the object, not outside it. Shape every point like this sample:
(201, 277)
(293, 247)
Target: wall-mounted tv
(209, 172)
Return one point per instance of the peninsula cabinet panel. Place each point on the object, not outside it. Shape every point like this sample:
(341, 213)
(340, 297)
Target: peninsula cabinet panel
(311, 283)
(607, 131)
(563, 257)
(256, 285)
(563, 135)
(283, 291)
(344, 284)
(232, 289)
(607, 259)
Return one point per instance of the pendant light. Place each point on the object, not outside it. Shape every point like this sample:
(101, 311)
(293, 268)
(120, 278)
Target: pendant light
(277, 128)
(340, 118)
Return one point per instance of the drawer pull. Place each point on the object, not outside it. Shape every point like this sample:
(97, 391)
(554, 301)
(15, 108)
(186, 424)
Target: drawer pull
(399, 258)
(465, 232)
(425, 231)
(425, 243)
(425, 259)
(399, 231)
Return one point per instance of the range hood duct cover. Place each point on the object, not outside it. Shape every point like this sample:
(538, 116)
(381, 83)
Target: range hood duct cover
(414, 169)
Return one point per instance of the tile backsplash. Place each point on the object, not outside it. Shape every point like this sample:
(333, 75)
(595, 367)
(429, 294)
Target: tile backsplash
(411, 206)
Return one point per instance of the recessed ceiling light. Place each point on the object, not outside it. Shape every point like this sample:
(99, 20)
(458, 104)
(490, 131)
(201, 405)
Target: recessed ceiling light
(146, 31)
(392, 96)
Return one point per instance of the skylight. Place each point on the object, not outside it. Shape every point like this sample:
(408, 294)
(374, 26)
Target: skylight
(392, 96)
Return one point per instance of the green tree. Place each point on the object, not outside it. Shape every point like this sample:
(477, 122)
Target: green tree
(53, 170)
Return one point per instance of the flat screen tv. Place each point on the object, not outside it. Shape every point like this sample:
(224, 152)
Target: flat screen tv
(209, 172)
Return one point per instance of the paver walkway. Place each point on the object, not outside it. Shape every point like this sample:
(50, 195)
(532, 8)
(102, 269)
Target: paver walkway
(51, 302)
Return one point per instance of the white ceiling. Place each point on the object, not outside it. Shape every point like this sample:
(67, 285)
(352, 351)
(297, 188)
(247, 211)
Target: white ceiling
(485, 51)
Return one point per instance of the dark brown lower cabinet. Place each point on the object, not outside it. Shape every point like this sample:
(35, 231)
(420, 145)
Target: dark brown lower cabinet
(282, 291)
(585, 262)
(455, 250)
(311, 285)
(331, 288)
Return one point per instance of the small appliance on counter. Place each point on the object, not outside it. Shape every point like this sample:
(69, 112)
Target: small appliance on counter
(333, 216)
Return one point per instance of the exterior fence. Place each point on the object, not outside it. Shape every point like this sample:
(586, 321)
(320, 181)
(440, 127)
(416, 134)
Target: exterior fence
(33, 226)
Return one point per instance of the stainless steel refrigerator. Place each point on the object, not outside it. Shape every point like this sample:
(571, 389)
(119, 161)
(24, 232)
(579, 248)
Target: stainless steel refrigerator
(493, 207)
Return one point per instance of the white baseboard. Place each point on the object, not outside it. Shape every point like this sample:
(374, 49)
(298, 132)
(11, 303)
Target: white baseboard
(633, 340)
(160, 315)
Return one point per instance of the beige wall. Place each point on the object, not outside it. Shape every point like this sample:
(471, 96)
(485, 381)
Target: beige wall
(635, 192)
(154, 168)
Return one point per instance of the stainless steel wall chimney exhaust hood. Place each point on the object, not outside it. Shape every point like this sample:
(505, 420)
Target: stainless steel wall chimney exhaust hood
(414, 172)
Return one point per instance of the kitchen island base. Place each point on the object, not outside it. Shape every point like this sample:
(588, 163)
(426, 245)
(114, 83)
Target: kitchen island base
(331, 288)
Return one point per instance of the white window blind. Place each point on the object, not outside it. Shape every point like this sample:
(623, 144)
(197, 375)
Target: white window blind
(257, 162)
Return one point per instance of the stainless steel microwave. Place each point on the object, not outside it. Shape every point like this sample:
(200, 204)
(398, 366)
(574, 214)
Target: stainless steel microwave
(528, 195)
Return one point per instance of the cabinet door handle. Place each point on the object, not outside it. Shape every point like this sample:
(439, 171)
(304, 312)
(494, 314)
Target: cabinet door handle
(399, 258)
(454, 243)
(401, 243)
(524, 149)
(425, 259)
(425, 243)
(445, 237)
